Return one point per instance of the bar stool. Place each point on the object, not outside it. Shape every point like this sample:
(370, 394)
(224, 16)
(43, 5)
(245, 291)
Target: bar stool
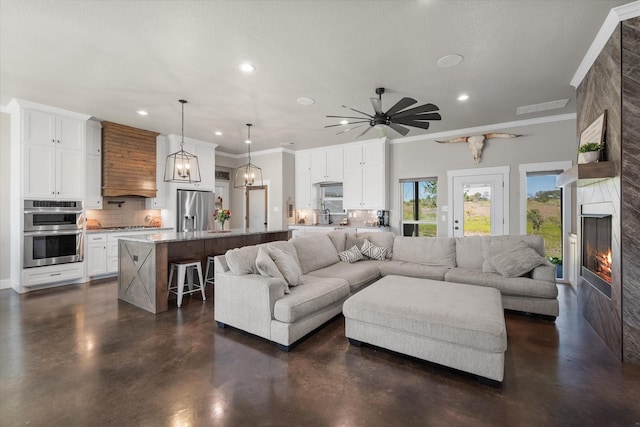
(185, 268)
(209, 280)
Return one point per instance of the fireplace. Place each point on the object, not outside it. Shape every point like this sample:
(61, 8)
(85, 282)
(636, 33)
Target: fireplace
(596, 247)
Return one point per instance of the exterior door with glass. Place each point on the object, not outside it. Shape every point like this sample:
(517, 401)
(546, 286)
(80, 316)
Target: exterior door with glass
(478, 205)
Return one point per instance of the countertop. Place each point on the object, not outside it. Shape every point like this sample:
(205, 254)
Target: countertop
(129, 230)
(172, 236)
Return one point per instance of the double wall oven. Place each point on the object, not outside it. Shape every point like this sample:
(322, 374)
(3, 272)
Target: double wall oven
(52, 232)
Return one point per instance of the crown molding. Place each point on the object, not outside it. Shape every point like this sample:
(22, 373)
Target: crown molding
(615, 16)
(255, 153)
(487, 128)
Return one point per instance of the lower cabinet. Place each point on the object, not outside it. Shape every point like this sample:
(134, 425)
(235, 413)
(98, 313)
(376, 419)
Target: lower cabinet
(52, 274)
(96, 255)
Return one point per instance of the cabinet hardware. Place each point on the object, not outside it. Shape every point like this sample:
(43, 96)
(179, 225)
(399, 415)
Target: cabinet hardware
(55, 274)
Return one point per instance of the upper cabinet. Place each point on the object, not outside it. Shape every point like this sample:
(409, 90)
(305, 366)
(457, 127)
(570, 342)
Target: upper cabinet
(366, 175)
(206, 154)
(160, 201)
(327, 165)
(303, 191)
(93, 192)
(53, 151)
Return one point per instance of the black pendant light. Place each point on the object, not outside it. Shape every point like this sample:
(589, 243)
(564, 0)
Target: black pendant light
(248, 175)
(182, 166)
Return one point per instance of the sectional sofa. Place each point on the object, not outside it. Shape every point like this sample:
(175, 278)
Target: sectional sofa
(311, 283)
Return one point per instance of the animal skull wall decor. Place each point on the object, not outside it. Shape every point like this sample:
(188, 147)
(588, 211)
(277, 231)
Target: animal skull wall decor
(476, 142)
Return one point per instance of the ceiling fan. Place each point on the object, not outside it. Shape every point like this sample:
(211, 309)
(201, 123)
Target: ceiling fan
(396, 117)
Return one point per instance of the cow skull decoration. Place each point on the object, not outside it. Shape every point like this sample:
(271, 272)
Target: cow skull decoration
(476, 142)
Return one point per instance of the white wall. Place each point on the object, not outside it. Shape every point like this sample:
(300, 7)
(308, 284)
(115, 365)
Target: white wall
(427, 158)
(5, 240)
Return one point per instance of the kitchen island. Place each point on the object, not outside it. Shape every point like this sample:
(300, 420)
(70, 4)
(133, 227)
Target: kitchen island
(143, 260)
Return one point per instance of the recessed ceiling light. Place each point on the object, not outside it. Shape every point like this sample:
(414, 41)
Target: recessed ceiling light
(142, 113)
(450, 61)
(344, 122)
(247, 68)
(218, 133)
(305, 100)
(463, 97)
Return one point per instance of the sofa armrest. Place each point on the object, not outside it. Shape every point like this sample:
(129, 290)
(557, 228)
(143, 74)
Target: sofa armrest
(246, 302)
(546, 272)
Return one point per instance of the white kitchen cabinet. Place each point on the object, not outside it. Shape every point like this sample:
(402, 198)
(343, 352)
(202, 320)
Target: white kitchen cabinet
(93, 192)
(303, 189)
(205, 152)
(160, 201)
(43, 128)
(52, 275)
(52, 173)
(53, 155)
(327, 165)
(96, 254)
(365, 182)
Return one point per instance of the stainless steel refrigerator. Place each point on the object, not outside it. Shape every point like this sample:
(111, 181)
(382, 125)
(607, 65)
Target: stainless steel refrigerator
(195, 210)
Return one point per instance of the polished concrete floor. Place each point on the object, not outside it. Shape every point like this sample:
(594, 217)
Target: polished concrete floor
(76, 356)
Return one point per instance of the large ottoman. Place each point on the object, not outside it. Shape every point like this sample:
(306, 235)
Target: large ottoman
(452, 324)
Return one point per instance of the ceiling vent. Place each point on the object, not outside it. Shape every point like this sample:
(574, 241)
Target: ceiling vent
(534, 108)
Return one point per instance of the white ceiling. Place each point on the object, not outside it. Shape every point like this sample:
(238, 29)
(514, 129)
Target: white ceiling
(111, 58)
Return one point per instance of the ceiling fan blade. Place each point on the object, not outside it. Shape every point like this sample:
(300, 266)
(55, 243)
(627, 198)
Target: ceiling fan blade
(400, 105)
(357, 111)
(345, 117)
(426, 108)
(347, 130)
(377, 105)
(365, 131)
(418, 117)
(412, 123)
(350, 123)
(400, 129)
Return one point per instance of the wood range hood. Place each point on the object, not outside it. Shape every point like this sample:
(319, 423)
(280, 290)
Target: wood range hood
(128, 161)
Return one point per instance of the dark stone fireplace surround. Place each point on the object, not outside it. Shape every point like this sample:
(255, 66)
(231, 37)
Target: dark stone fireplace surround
(613, 84)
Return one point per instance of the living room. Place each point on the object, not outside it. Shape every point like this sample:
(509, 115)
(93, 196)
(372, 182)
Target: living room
(80, 344)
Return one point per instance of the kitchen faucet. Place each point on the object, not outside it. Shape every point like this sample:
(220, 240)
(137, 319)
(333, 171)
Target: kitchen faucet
(327, 212)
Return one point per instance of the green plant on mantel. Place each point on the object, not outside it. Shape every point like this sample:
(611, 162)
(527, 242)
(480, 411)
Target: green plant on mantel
(589, 147)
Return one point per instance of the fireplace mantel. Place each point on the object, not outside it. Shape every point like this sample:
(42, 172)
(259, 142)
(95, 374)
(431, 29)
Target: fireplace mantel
(586, 173)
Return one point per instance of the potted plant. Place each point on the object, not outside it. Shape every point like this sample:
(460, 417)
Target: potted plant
(557, 261)
(589, 152)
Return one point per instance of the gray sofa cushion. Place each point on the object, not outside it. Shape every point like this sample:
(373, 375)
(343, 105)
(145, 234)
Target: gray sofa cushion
(267, 267)
(517, 261)
(493, 245)
(316, 294)
(287, 265)
(383, 239)
(412, 269)
(469, 251)
(358, 274)
(434, 251)
(519, 286)
(242, 260)
(339, 239)
(315, 251)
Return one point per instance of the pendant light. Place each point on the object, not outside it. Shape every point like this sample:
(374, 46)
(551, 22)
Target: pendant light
(248, 175)
(182, 166)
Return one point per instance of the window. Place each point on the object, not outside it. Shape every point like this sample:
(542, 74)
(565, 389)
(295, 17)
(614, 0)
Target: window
(332, 197)
(420, 207)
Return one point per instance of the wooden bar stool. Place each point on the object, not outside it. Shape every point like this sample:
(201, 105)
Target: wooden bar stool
(209, 280)
(185, 268)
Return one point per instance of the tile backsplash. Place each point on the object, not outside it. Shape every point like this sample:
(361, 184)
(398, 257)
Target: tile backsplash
(355, 218)
(131, 212)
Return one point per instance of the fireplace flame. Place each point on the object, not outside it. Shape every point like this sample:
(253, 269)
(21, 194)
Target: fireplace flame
(603, 267)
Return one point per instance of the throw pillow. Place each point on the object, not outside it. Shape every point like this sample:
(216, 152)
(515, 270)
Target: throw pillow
(287, 265)
(372, 251)
(517, 261)
(267, 267)
(492, 247)
(242, 260)
(351, 255)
